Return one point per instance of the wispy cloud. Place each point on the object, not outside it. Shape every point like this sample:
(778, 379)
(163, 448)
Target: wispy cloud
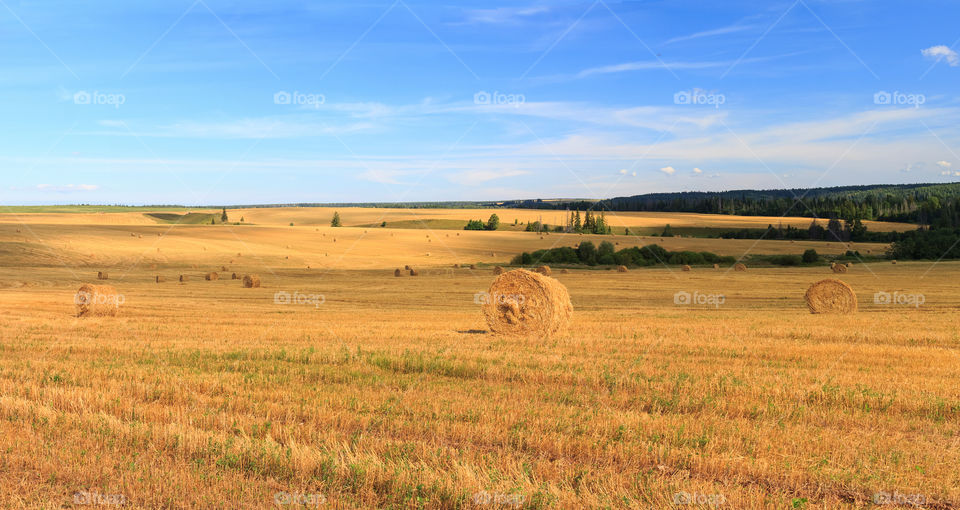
(942, 52)
(67, 188)
(729, 29)
(502, 15)
(649, 65)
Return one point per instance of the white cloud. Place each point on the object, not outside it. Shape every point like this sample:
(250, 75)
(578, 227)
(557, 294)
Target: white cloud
(503, 15)
(697, 171)
(669, 170)
(942, 52)
(709, 33)
(67, 187)
(948, 173)
(944, 164)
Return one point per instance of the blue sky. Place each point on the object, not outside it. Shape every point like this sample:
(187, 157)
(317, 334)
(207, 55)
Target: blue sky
(215, 102)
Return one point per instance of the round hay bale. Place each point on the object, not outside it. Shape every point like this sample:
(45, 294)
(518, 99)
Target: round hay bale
(397, 272)
(212, 276)
(139, 236)
(894, 261)
(406, 268)
(622, 269)
(234, 276)
(414, 272)
(544, 270)
(739, 267)
(831, 296)
(524, 303)
(838, 268)
(223, 268)
(97, 301)
(160, 279)
(456, 266)
(849, 264)
(251, 281)
(473, 266)
(564, 271)
(498, 270)
(686, 268)
(102, 275)
(184, 278)
(716, 266)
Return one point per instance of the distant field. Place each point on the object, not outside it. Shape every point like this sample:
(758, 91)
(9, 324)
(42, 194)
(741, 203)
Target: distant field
(386, 392)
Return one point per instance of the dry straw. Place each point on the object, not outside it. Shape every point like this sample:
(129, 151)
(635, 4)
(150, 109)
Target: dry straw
(525, 303)
(739, 267)
(102, 275)
(621, 269)
(498, 270)
(211, 277)
(544, 270)
(97, 301)
(251, 281)
(831, 296)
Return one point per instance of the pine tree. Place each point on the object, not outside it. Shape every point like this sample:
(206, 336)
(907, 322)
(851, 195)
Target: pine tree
(223, 217)
(335, 222)
(577, 226)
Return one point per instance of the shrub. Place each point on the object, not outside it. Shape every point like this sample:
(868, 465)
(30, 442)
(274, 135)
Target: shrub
(810, 256)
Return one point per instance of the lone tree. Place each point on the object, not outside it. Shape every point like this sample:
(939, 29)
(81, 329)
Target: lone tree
(213, 221)
(810, 256)
(335, 222)
(493, 222)
(223, 217)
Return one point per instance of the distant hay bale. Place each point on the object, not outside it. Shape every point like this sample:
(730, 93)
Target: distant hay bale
(139, 236)
(212, 276)
(498, 270)
(132, 234)
(523, 303)
(406, 268)
(102, 275)
(831, 296)
(184, 278)
(234, 276)
(894, 261)
(251, 281)
(544, 270)
(564, 271)
(739, 267)
(849, 264)
(838, 268)
(686, 267)
(414, 272)
(622, 269)
(456, 266)
(716, 266)
(397, 272)
(97, 301)
(160, 279)
(223, 268)
(473, 266)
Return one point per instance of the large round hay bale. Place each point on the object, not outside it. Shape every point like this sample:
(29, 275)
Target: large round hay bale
(211, 277)
(838, 268)
(544, 270)
(686, 267)
(498, 270)
(522, 302)
(414, 272)
(739, 267)
(102, 275)
(621, 269)
(251, 281)
(831, 296)
(97, 301)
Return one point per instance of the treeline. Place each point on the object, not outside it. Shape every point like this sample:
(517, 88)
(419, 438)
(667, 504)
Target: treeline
(605, 254)
(936, 205)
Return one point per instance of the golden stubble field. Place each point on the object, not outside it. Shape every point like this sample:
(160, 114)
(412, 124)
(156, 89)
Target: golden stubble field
(388, 392)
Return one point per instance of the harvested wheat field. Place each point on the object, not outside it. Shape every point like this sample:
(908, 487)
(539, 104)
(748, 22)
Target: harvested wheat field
(395, 392)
